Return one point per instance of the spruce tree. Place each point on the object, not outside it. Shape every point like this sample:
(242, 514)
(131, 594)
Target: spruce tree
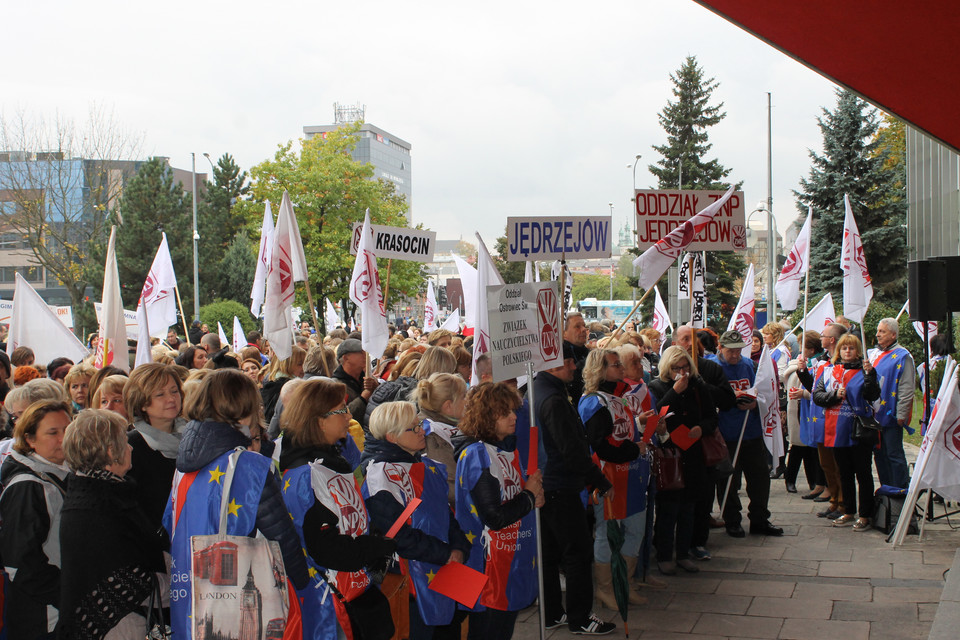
(152, 203)
(686, 121)
(217, 225)
(854, 163)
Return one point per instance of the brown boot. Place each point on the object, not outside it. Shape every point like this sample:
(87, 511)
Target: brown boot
(604, 590)
(635, 598)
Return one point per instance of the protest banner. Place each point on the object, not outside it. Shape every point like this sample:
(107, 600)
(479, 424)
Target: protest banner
(660, 211)
(129, 317)
(555, 238)
(523, 328)
(397, 243)
(64, 314)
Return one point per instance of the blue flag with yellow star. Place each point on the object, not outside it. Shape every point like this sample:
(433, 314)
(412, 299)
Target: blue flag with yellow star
(507, 556)
(194, 510)
(889, 366)
(426, 480)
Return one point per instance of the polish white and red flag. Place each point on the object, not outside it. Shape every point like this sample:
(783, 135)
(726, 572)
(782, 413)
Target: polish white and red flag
(653, 262)
(857, 287)
(112, 348)
(366, 293)
(822, 314)
(487, 276)
(768, 400)
(287, 266)
(661, 317)
(431, 312)
(258, 292)
(796, 266)
(743, 320)
(157, 308)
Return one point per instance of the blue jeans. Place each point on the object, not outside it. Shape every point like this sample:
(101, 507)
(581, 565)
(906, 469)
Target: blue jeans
(891, 462)
(632, 527)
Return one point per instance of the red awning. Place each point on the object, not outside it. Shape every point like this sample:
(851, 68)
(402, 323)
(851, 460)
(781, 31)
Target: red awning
(901, 56)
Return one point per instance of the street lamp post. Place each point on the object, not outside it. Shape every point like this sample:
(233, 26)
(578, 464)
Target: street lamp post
(633, 204)
(196, 239)
(612, 263)
(771, 256)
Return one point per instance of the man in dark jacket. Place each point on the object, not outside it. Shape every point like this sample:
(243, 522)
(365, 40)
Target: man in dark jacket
(567, 539)
(352, 364)
(575, 334)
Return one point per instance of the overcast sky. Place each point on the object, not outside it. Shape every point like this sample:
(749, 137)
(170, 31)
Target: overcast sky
(512, 108)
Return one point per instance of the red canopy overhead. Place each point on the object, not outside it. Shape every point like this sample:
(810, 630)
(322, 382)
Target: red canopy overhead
(901, 56)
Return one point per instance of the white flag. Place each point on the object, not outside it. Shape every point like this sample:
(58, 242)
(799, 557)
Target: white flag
(287, 265)
(857, 288)
(239, 338)
(931, 329)
(567, 282)
(33, 324)
(157, 307)
(330, 316)
(263, 262)
(661, 317)
(653, 262)
(696, 283)
(468, 281)
(528, 272)
(768, 400)
(796, 266)
(743, 320)
(222, 335)
(112, 348)
(366, 293)
(452, 323)
(487, 276)
(431, 312)
(821, 315)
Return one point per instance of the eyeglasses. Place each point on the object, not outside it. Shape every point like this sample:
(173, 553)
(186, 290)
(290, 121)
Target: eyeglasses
(336, 412)
(417, 428)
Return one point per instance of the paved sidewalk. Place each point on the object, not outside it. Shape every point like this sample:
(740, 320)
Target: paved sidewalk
(816, 582)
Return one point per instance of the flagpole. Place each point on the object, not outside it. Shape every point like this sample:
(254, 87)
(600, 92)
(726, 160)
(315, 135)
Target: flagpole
(562, 297)
(536, 511)
(806, 294)
(633, 311)
(386, 288)
(903, 309)
(313, 309)
(736, 455)
(186, 331)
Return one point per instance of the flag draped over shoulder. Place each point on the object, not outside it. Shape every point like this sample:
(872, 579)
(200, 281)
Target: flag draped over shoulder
(857, 287)
(431, 312)
(796, 266)
(157, 307)
(33, 324)
(743, 320)
(112, 347)
(287, 265)
(487, 276)
(653, 262)
(263, 262)
(768, 400)
(661, 317)
(366, 294)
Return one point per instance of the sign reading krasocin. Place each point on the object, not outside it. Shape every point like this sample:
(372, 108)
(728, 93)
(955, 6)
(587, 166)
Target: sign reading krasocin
(398, 243)
(661, 211)
(523, 328)
(558, 238)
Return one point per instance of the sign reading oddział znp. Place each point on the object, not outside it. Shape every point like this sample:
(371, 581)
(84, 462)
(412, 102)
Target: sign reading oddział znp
(523, 328)
(397, 243)
(567, 237)
(661, 211)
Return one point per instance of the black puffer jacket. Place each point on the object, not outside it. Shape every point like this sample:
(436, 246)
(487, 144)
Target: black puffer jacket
(390, 391)
(201, 444)
(412, 544)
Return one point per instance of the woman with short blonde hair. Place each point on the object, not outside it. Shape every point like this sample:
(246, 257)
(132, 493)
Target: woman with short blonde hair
(109, 395)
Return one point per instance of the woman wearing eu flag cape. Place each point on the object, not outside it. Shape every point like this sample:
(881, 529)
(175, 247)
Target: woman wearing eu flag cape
(221, 414)
(323, 497)
(495, 504)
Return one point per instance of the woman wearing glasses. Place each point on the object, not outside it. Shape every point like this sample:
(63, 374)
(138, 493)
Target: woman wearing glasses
(395, 475)
(322, 495)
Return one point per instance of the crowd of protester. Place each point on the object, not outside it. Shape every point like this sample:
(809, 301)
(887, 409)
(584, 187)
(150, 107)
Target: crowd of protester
(98, 509)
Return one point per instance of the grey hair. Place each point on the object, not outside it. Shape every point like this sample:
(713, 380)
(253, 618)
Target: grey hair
(891, 325)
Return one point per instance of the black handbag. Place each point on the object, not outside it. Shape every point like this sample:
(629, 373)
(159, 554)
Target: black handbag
(369, 613)
(865, 429)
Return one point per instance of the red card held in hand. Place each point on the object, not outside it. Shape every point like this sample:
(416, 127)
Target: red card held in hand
(411, 507)
(459, 582)
(681, 437)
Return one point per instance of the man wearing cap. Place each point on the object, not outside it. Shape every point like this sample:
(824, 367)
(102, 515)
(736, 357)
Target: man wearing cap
(567, 538)
(352, 363)
(752, 460)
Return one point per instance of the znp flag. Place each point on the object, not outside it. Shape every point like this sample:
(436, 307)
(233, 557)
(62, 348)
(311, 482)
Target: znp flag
(857, 288)
(796, 266)
(366, 294)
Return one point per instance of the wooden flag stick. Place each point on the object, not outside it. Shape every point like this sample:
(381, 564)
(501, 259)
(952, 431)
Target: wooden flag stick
(183, 317)
(632, 311)
(313, 309)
